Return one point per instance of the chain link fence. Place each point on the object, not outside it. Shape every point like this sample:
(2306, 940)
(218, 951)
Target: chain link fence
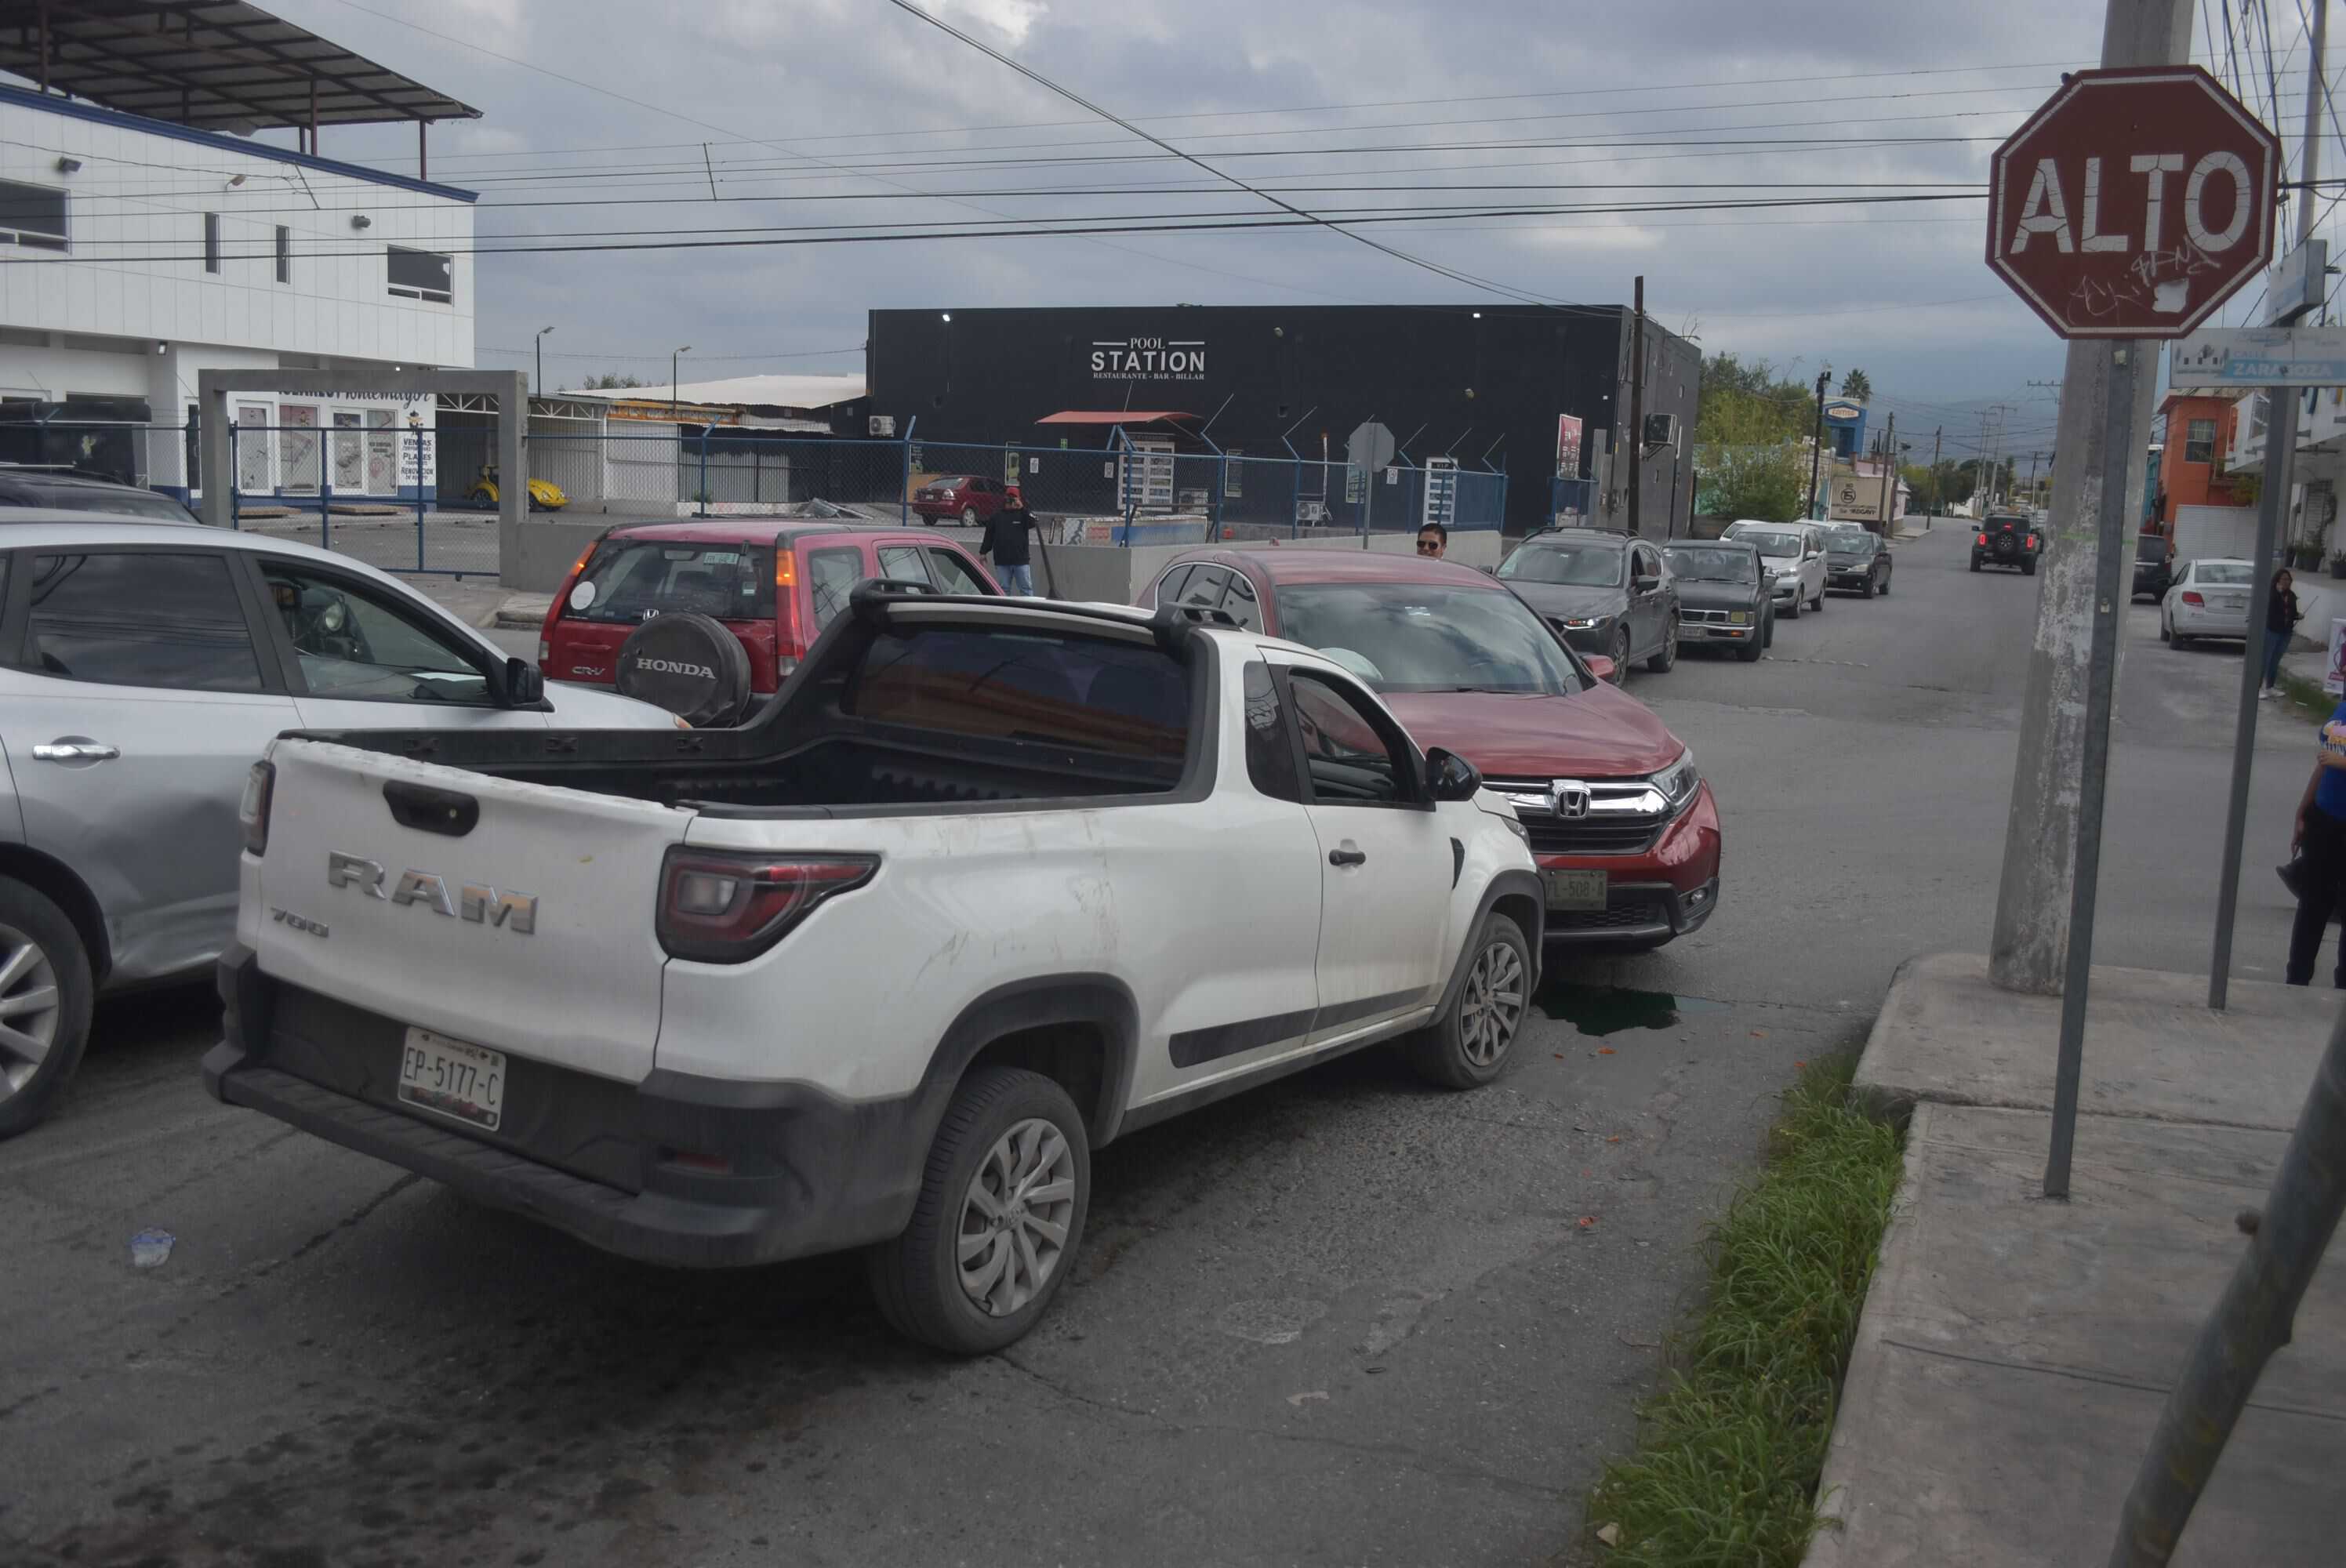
(424, 499)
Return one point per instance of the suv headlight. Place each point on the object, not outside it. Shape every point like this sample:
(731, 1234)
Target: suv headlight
(1738, 618)
(1678, 781)
(1583, 622)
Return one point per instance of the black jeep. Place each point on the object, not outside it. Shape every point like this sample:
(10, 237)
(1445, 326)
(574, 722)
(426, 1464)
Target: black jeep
(2008, 539)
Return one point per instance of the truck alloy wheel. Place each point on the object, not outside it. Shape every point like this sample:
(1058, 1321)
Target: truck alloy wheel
(1014, 1218)
(1003, 1193)
(1466, 1046)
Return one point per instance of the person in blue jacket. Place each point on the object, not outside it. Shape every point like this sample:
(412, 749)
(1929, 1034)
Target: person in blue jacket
(2320, 838)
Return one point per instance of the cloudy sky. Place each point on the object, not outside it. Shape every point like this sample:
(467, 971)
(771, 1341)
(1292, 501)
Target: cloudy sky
(625, 116)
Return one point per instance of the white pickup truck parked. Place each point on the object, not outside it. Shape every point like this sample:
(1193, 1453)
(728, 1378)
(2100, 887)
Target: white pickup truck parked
(989, 884)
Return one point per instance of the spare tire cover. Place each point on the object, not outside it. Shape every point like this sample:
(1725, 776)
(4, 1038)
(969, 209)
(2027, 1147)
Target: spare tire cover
(690, 665)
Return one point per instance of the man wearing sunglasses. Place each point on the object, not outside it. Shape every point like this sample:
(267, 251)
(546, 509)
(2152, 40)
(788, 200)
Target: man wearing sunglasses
(1432, 541)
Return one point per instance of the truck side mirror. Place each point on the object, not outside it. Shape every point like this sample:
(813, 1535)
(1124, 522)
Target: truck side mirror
(1450, 777)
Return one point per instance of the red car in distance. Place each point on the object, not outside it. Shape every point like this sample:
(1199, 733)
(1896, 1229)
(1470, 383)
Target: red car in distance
(970, 498)
(775, 585)
(1624, 830)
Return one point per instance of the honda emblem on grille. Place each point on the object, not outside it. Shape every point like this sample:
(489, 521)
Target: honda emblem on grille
(1570, 797)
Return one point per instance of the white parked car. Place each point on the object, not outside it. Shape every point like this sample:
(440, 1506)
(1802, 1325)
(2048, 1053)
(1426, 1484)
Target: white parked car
(990, 883)
(148, 664)
(1793, 554)
(2208, 599)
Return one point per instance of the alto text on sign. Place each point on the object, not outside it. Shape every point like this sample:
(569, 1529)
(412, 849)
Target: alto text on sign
(2133, 203)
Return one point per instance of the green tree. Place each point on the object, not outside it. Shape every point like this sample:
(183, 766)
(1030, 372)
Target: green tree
(611, 381)
(1768, 483)
(1855, 385)
(1750, 400)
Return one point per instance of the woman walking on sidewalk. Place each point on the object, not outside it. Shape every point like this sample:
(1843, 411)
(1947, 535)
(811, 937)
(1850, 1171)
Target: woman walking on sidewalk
(2320, 839)
(2281, 616)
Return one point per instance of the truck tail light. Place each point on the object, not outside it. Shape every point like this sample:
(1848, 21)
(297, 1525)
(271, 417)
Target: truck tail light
(727, 908)
(252, 811)
(2194, 600)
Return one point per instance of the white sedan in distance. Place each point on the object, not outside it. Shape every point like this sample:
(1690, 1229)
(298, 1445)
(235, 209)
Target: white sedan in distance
(2210, 599)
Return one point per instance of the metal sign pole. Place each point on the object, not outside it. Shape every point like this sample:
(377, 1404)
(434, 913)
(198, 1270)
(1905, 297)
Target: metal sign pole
(2281, 439)
(2101, 678)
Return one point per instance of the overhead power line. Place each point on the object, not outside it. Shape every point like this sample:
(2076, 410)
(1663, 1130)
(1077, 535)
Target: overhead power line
(1154, 140)
(671, 240)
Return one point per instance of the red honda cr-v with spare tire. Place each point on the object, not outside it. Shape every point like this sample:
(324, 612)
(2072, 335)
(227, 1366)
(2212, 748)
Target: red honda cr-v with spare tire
(707, 617)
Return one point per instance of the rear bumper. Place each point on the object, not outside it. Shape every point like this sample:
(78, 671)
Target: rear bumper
(2192, 622)
(776, 1170)
(1668, 892)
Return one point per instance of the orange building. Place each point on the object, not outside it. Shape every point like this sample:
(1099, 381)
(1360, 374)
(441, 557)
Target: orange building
(2200, 430)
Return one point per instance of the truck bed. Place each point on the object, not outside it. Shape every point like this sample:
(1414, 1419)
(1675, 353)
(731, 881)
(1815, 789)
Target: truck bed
(875, 722)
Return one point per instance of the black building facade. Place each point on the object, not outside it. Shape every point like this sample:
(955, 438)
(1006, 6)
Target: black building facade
(1485, 384)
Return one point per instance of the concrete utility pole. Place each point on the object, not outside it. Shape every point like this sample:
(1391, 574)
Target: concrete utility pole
(2280, 453)
(1888, 470)
(1636, 404)
(1817, 444)
(1931, 509)
(2029, 948)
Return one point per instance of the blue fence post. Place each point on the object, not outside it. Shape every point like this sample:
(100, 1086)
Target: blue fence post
(701, 500)
(904, 490)
(417, 431)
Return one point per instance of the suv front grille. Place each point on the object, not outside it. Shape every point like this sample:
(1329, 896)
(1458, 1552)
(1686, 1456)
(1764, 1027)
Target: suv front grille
(1550, 836)
(1716, 617)
(1624, 816)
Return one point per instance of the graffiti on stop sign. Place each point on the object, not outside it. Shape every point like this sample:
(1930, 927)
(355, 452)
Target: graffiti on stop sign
(2133, 203)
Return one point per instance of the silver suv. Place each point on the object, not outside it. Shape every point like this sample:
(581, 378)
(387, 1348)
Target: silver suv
(143, 667)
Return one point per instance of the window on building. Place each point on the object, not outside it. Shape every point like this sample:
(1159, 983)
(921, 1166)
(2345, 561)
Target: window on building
(422, 274)
(2200, 442)
(211, 243)
(32, 215)
(284, 254)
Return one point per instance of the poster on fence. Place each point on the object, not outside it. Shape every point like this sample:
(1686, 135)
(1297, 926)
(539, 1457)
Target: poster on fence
(2333, 677)
(418, 463)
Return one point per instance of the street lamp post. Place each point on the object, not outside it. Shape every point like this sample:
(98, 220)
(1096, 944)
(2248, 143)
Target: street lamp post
(674, 354)
(540, 383)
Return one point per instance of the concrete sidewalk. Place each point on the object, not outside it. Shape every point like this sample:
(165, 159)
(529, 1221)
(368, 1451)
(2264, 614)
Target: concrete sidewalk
(2015, 1353)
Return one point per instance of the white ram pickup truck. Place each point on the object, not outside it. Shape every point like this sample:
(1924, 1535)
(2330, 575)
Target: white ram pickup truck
(990, 883)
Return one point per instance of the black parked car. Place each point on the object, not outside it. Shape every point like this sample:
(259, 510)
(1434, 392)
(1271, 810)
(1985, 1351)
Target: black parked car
(1856, 560)
(2008, 539)
(1607, 593)
(62, 490)
(2154, 566)
(1723, 594)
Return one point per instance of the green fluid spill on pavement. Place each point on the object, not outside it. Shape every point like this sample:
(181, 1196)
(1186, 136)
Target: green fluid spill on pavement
(1598, 1010)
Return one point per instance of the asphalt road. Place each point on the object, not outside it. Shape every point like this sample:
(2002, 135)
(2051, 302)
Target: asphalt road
(1342, 1319)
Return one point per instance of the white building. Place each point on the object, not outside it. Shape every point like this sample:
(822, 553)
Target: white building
(140, 247)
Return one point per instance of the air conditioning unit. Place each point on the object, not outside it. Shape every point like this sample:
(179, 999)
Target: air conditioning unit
(880, 424)
(1661, 431)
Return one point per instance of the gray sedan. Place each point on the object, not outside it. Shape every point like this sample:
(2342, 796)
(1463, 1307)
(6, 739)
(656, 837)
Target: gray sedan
(146, 667)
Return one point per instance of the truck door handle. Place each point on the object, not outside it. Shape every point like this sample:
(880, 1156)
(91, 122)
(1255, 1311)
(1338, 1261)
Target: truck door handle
(1349, 854)
(76, 751)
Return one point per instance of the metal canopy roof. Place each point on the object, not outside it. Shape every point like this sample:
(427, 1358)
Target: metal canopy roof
(217, 65)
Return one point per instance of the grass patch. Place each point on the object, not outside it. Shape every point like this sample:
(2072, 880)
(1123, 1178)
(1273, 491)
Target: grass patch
(2305, 695)
(1729, 1454)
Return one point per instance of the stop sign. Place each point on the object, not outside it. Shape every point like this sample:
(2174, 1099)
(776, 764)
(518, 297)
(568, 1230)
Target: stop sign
(2133, 203)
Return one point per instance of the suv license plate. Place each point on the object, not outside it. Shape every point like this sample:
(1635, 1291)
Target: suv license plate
(466, 1082)
(1575, 890)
